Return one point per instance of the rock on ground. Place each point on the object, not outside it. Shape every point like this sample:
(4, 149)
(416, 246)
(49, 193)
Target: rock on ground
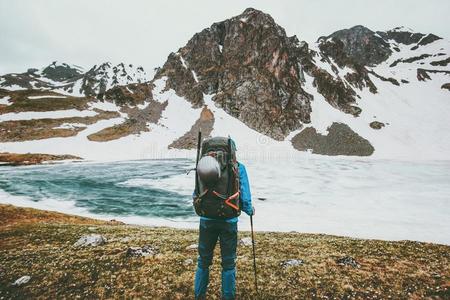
(144, 251)
(347, 261)
(247, 241)
(340, 140)
(192, 247)
(22, 280)
(90, 240)
(292, 263)
(376, 125)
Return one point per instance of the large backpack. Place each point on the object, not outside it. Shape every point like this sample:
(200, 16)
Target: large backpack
(219, 200)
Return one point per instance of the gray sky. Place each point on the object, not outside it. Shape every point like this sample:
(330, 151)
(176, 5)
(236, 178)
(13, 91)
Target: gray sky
(34, 33)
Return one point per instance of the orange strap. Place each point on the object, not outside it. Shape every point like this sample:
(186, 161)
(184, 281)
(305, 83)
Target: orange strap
(227, 200)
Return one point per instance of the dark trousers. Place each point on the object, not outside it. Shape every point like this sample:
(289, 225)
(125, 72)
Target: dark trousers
(210, 232)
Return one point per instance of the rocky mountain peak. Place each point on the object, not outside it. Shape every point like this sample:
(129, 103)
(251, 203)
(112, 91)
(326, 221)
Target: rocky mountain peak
(250, 66)
(61, 71)
(361, 44)
(74, 80)
(407, 36)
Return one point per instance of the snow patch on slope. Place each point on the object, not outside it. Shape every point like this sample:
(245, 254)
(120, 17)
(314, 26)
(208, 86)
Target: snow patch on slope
(415, 130)
(5, 100)
(46, 96)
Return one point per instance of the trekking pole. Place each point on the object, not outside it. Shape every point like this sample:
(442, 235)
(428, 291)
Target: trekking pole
(199, 143)
(254, 255)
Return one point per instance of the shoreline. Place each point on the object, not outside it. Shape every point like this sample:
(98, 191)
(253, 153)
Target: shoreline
(182, 224)
(193, 222)
(176, 154)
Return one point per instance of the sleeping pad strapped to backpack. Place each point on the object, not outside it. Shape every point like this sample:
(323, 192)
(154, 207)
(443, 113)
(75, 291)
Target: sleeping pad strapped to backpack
(217, 180)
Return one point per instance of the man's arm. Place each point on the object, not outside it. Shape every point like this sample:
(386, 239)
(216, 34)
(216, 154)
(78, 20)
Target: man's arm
(245, 195)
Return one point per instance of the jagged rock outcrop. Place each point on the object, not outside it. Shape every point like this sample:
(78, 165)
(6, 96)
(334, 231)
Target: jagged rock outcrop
(131, 94)
(205, 124)
(338, 94)
(361, 45)
(340, 140)
(72, 79)
(251, 66)
(59, 72)
(405, 36)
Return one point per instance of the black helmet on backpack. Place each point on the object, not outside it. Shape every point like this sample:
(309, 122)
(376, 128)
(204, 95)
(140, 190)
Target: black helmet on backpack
(208, 170)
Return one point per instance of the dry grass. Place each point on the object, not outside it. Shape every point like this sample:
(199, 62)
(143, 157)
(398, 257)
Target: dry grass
(114, 132)
(16, 159)
(37, 129)
(41, 246)
(21, 102)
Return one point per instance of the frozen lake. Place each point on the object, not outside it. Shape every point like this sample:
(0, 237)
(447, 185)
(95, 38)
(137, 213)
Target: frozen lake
(381, 199)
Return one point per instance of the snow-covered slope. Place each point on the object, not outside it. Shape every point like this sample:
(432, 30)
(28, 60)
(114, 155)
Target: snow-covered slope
(414, 112)
(74, 80)
(389, 88)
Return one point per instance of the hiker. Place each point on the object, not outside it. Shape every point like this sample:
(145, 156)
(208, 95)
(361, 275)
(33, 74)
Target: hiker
(222, 191)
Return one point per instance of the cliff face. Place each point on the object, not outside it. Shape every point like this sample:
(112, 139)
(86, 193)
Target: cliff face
(250, 66)
(361, 45)
(257, 73)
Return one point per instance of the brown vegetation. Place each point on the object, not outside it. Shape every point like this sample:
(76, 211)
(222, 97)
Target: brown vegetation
(21, 102)
(16, 159)
(36, 129)
(41, 245)
(114, 132)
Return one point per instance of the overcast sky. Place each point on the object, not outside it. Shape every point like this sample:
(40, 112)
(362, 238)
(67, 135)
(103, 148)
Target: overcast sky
(34, 33)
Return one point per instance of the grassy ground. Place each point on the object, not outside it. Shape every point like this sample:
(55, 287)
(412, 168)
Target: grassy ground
(40, 244)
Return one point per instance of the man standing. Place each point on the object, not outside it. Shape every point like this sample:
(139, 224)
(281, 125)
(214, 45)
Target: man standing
(219, 222)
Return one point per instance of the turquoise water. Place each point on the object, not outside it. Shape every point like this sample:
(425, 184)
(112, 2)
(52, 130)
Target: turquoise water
(105, 188)
(360, 198)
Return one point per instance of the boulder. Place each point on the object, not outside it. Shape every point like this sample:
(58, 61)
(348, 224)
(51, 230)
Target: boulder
(376, 125)
(142, 251)
(340, 140)
(92, 240)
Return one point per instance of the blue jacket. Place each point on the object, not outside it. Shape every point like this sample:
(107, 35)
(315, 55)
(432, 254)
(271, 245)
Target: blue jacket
(245, 195)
